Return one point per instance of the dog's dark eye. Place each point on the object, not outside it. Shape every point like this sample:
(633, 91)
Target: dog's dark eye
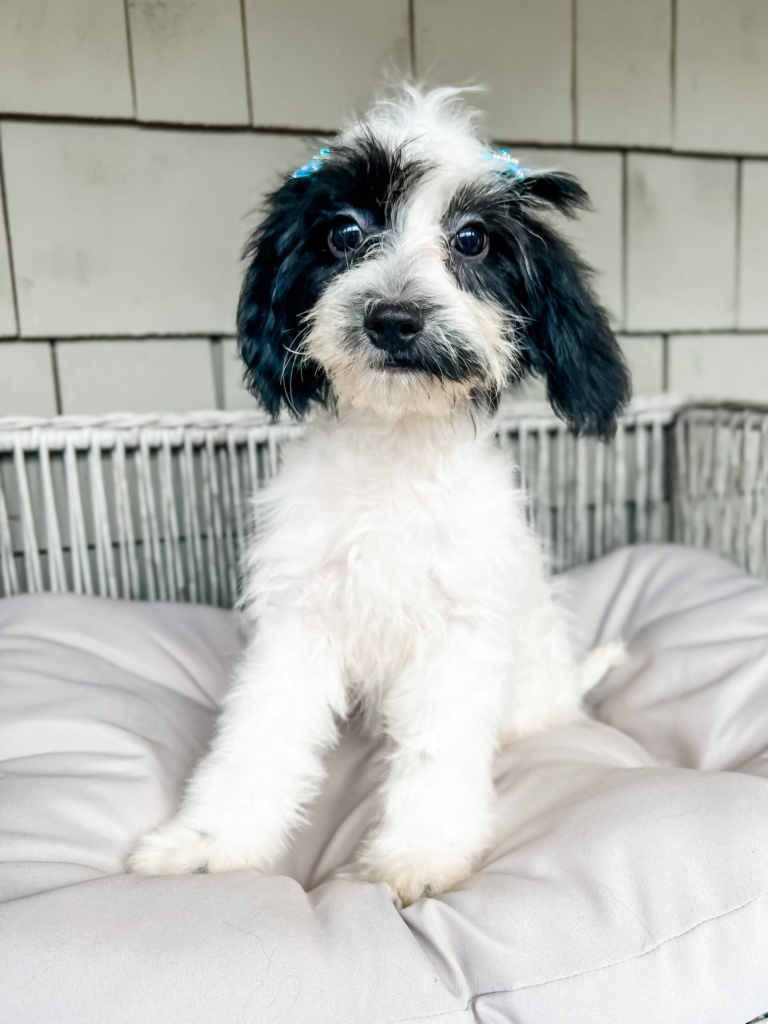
(345, 236)
(471, 240)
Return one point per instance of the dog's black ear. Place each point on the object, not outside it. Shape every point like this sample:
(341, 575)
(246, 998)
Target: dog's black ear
(279, 287)
(553, 189)
(566, 334)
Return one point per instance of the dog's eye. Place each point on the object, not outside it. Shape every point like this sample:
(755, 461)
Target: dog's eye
(471, 240)
(345, 236)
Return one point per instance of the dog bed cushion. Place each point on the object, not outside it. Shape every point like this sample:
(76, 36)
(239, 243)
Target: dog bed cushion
(627, 882)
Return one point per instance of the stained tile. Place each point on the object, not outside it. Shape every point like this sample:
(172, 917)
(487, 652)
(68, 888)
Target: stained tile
(189, 61)
(313, 65)
(64, 57)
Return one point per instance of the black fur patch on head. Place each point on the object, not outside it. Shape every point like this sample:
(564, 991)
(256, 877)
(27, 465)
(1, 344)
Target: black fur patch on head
(533, 273)
(290, 265)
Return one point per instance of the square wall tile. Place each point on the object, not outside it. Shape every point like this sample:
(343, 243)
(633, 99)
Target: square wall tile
(733, 366)
(520, 51)
(681, 243)
(722, 75)
(26, 379)
(189, 61)
(64, 57)
(645, 358)
(314, 64)
(8, 326)
(624, 72)
(753, 257)
(596, 234)
(132, 375)
(132, 231)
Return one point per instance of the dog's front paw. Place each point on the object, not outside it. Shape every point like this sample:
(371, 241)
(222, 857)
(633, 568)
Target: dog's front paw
(421, 873)
(179, 849)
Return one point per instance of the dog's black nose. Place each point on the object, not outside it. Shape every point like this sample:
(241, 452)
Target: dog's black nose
(393, 328)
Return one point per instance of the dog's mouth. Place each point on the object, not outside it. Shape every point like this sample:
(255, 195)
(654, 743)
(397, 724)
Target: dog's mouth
(397, 364)
(401, 368)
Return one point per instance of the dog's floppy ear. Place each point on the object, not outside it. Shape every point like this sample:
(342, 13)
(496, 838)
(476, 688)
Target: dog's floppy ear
(566, 335)
(279, 287)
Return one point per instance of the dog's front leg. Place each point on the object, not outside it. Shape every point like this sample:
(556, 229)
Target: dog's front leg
(439, 798)
(265, 763)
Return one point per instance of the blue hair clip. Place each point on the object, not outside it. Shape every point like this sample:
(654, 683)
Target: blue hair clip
(507, 164)
(308, 169)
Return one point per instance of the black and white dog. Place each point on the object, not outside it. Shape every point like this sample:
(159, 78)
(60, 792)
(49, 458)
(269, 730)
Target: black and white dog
(400, 281)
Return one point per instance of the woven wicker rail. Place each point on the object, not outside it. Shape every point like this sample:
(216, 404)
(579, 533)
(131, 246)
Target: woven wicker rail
(156, 506)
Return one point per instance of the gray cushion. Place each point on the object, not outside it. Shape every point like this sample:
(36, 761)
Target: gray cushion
(628, 880)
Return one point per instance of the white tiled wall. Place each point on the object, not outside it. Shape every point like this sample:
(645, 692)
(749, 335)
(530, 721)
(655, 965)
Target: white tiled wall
(137, 138)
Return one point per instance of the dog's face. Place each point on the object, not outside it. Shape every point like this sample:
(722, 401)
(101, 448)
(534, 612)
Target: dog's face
(408, 272)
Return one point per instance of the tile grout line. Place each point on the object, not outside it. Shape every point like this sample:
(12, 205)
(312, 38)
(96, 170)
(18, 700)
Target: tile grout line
(304, 132)
(131, 67)
(412, 36)
(7, 221)
(247, 59)
(164, 126)
(202, 335)
(624, 239)
(206, 335)
(574, 71)
(737, 243)
(56, 377)
(217, 368)
(673, 72)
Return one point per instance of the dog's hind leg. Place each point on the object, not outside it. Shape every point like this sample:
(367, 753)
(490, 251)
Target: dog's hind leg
(265, 763)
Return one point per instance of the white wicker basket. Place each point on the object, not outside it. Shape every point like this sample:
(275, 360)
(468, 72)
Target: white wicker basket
(156, 506)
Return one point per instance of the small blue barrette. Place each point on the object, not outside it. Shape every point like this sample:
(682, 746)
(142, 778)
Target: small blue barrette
(308, 169)
(507, 164)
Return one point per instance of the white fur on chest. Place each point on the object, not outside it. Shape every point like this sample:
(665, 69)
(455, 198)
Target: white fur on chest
(388, 536)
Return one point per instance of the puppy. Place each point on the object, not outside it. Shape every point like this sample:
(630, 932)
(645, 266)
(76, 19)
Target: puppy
(399, 282)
